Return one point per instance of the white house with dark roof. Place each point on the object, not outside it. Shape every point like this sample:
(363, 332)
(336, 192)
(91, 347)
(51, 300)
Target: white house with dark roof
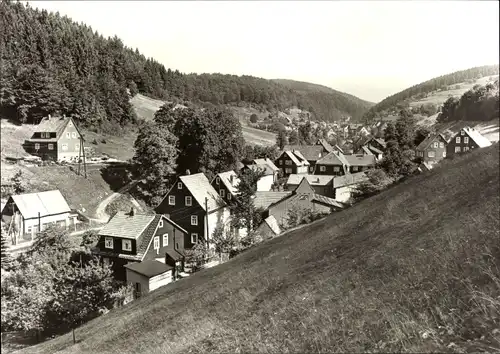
(27, 214)
(196, 206)
(147, 276)
(136, 237)
(57, 139)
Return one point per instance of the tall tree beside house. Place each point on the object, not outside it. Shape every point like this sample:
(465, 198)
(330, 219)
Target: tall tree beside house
(196, 256)
(281, 139)
(245, 215)
(166, 116)
(6, 260)
(420, 134)
(223, 240)
(155, 155)
(18, 184)
(293, 138)
(210, 140)
(397, 160)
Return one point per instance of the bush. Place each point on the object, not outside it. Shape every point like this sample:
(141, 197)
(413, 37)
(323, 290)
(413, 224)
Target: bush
(94, 142)
(378, 180)
(254, 118)
(298, 216)
(103, 141)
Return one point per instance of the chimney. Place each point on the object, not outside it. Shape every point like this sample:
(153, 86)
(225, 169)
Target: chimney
(231, 179)
(49, 116)
(132, 211)
(188, 172)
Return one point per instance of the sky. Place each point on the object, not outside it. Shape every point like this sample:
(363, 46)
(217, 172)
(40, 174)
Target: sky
(369, 49)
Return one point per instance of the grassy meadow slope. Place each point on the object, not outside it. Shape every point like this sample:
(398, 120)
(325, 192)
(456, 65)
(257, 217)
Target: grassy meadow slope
(415, 268)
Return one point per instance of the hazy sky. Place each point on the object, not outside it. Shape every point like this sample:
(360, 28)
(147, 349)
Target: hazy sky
(369, 49)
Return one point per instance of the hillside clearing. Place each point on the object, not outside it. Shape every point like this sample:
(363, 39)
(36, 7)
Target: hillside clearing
(414, 268)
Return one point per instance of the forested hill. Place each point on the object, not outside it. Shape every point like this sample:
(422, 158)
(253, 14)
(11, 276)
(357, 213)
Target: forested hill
(332, 99)
(51, 64)
(391, 103)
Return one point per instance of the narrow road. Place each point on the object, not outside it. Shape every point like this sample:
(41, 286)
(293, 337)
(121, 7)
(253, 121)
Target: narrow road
(100, 213)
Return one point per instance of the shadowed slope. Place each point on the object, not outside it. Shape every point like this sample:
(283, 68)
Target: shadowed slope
(411, 269)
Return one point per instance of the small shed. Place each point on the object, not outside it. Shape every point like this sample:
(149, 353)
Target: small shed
(148, 275)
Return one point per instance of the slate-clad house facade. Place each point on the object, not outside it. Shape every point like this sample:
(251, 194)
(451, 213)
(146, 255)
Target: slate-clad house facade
(56, 139)
(432, 149)
(132, 237)
(292, 162)
(465, 140)
(191, 202)
(225, 183)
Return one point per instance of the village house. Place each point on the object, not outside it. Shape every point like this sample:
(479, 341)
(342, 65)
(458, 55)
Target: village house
(312, 153)
(131, 237)
(343, 186)
(465, 140)
(26, 214)
(226, 184)
(363, 131)
(147, 276)
(432, 149)
(270, 170)
(359, 163)
(56, 139)
(333, 164)
(322, 185)
(197, 207)
(303, 197)
(292, 162)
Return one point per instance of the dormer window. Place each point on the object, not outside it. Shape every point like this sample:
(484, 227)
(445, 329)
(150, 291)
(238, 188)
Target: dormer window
(217, 180)
(108, 242)
(127, 245)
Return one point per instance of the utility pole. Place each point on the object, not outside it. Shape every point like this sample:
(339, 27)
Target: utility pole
(206, 218)
(84, 162)
(79, 157)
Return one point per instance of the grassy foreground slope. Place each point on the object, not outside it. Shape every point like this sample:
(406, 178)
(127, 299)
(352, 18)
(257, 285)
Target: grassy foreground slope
(415, 268)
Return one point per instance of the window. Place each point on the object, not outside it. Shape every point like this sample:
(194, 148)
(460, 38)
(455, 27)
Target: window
(281, 162)
(171, 200)
(37, 146)
(179, 185)
(188, 201)
(354, 168)
(108, 242)
(322, 168)
(194, 238)
(77, 147)
(156, 242)
(466, 140)
(229, 196)
(311, 169)
(335, 169)
(462, 133)
(165, 240)
(222, 193)
(51, 146)
(288, 162)
(457, 148)
(441, 145)
(29, 230)
(160, 224)
(127, 245)
(217, 180)
(70, 124)
(436, 144)
(444, 153)
(73, 135)
(288, 170)
(431, 154)
(194, 219)
(457, 140)
(68, 135)
(466, 148)
(64, 147)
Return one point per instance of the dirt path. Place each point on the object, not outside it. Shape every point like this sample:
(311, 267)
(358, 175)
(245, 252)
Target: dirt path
(100, 213)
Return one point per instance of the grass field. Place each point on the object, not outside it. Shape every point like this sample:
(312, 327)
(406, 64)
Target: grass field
(413, 269)
(457, 90)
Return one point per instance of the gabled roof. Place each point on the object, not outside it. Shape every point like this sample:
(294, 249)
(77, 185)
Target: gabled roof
(225, 177)
(149, 268)
(480, 140)
(429, 140)
(51, 125)
(366, 150)
(268, 171)
(310, 152)
(380, 141)
(297, 158)
(374, 149)
(45, 203)
(266, 161)
(333, 158)
(314, 180)
(124, 225)
(360, 160)
(326, 145)
(273, 224)
(200, 188)
(348, 179)
(265, 199)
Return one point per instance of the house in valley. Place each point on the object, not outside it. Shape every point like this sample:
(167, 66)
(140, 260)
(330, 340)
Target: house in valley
(26, 214)
(270, 173)
(322, 184)
(333, 164)
(465, 140)
(303, 197)
(292, 162)
(131, 237)
(225, 183)
(359, 163)
(343, 186)
(147, 276)
(432, 149)
(56, 139)
(197, 207)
